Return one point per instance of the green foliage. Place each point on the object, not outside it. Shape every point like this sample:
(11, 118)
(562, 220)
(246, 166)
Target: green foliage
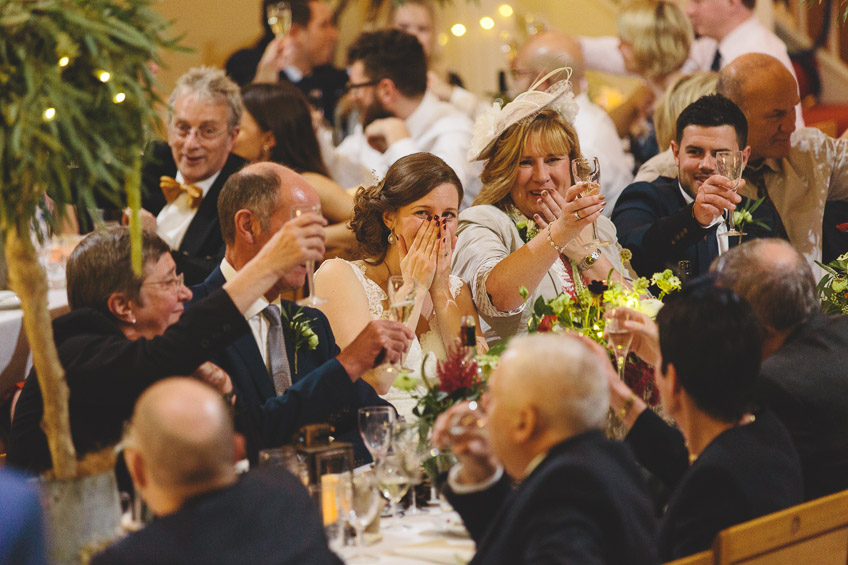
(833, 287)
(91, 145)
(844, 3)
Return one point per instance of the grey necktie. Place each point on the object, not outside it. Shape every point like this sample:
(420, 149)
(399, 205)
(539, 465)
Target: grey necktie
(279, 359)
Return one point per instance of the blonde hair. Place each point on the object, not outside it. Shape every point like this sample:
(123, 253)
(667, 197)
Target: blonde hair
(660, 34)
(679, 94)
(546, 129)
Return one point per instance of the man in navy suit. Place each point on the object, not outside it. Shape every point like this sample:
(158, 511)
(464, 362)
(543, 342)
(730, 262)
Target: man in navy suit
(255, 204)
(205, 113)
(679, 219)
(580, 497)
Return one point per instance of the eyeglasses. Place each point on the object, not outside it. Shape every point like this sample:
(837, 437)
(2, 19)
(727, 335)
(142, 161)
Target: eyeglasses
(170, 284)
(350, 86)
(205, 133)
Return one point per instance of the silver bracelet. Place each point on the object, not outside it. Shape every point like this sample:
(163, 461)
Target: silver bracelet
(589, 260)
(559, 249)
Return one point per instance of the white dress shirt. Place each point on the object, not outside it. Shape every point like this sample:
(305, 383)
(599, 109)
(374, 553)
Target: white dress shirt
(258, 323)
(434, 127)
(599, 138)
(174, 218)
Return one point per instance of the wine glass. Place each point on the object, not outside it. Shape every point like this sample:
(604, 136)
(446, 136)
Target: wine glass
(406, 440)
(619, 338)
(401, 293)
(471, 420)
(310, 299)
(360, 503)
(375, 427)
(279, 17)
(394, 480)
(730, 163)
(588, 172)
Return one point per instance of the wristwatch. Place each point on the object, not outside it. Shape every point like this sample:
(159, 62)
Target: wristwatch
(589, 260)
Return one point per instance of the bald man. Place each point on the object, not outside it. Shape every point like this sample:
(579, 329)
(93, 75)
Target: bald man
(549, 51)
(283, 376)
(180, 450)
(798, 169)
(580, 498)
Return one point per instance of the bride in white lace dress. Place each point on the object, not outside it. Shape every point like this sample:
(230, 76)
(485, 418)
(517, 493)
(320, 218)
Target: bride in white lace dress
(406, 225)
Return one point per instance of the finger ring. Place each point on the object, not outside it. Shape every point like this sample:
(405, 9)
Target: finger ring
(577, 215)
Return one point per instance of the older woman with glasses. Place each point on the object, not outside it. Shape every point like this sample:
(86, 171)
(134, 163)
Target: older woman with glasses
(127, 331)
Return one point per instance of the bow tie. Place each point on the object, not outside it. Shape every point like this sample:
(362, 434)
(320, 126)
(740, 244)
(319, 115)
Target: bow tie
(171, 189)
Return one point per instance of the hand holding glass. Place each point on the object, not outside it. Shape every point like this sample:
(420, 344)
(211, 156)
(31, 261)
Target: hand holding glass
(588, 172)
(310, 299)
(730, 164)
(619, 338)
(279, 18)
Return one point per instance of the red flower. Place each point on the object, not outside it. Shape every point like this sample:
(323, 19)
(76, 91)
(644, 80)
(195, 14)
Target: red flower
(639, 376)
(455, 372)
(547, 323)
(842, 227)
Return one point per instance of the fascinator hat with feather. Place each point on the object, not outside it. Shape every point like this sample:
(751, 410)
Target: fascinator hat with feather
(496, 120)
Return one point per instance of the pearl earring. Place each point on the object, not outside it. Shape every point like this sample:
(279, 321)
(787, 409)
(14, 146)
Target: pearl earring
(392, 238)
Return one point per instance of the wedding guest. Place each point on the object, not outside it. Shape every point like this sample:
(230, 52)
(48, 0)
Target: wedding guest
(277, 126)
(580, 498)
(303, 58)
(529, 225)
(549, 51)
(803, 378)
(126, 331)
(288, 373)
(682, 219)
(738, 462)
(180, 450)
(205, 110)
(388, 83)
(799, 171)
(406, 226)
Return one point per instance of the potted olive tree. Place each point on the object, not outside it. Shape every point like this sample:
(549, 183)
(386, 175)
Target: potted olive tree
(77, 103)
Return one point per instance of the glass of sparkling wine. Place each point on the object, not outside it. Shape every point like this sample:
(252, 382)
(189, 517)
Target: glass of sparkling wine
(401, 294)
(588, 172)
(394, 480)
(279, 18)
(310, 299)
(619, 339)
(730, 163)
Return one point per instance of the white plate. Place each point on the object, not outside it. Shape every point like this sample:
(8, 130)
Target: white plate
(9, 300)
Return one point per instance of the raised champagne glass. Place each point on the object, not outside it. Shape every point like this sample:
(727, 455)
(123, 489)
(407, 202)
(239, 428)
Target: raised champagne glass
(730, 164)
(587, 171)
(310, 299)
(619, 339)
(279, 17)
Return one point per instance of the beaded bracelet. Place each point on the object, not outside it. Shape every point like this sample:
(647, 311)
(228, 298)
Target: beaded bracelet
(559, 249)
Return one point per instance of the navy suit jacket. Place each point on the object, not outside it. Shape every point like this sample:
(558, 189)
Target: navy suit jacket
(202, 247)
(584, 503)
(321, 389)
(654, 222)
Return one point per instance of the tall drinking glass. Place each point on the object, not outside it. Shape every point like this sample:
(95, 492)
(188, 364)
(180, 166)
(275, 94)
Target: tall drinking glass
(375, 427)
(362, 504)
(588, 172)
(730, 164)
(310, 299)
(279, 17)
(619, 339)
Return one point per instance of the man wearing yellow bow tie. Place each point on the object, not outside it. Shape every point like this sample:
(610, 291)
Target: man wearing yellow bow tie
(183, 178)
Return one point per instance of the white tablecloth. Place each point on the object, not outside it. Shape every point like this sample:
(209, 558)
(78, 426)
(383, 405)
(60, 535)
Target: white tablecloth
(15, 357)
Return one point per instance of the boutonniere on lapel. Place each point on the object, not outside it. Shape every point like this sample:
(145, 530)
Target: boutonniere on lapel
(301, 331)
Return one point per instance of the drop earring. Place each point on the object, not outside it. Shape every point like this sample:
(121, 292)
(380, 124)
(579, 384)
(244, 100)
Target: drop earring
(392, 238)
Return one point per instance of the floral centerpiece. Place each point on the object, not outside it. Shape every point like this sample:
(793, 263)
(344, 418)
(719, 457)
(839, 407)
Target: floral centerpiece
(833, 286)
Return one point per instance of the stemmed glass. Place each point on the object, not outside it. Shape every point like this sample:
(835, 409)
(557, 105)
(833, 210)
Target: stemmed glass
(619, 338)
(730, 163)
(394, 479)
(310, 299)
(361, 502)
(375, 427)
(279, 18)
(588, 172)
(401, 294)
(407, 442)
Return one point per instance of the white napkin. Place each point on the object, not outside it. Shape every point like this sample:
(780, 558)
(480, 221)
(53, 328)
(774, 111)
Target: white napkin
(9, 300)
(450, 552)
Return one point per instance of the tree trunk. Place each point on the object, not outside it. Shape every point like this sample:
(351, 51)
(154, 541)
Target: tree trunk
(27, 279)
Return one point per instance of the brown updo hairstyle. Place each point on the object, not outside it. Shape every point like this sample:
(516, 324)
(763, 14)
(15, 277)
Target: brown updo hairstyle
(409, 179)
(546, 130)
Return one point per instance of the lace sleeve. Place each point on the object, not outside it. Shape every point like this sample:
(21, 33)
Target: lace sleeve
(375, 294)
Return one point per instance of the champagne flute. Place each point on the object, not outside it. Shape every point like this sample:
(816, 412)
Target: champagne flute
(362, 502)
(730, 163)
(394, 480)
(279, 17)
(401, 294)
(619, 339)
(588, 172)
(310, 299)
(375, 427)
